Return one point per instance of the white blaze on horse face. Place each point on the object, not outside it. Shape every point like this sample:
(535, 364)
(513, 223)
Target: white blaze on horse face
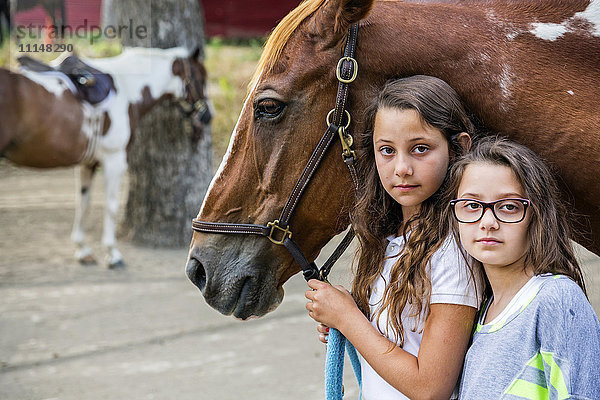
(217, 175)
(551, 31)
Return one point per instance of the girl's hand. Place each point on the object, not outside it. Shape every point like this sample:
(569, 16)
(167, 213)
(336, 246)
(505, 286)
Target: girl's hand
(323, 333)
(330, 305)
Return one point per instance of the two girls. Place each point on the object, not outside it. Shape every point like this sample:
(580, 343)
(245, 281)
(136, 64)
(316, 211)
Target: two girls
(413, 298)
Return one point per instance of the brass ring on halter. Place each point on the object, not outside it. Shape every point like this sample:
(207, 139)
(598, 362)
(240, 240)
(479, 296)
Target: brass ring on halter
(338, 70)
(347, 114)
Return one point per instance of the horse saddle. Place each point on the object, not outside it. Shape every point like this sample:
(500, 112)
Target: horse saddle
(91, 84)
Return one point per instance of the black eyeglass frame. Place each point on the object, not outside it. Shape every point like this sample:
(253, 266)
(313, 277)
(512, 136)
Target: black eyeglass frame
(526, 203)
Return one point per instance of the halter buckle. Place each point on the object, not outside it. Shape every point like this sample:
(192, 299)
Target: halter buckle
(200, 105)
(347, 140)
(323, 277)
(275, 225)
(338, 70)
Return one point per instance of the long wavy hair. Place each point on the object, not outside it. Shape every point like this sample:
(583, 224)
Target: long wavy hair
(550, 232)
(377, 215)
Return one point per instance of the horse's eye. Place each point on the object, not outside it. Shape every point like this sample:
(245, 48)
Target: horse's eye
(268, 108)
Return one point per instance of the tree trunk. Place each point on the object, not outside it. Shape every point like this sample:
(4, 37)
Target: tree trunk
(168, 23)
(108, 16)
(169, 171)
(168, 177)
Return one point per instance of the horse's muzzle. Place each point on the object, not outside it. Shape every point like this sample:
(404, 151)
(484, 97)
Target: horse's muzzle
(232, 284)
(196, 273)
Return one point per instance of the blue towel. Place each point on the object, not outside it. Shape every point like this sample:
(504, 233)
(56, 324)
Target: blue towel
(337, 345)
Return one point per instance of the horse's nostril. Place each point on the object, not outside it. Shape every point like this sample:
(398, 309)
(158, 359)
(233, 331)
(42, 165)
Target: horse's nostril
(196, 273)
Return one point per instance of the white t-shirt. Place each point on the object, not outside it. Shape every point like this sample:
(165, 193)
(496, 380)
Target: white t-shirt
(451, 283)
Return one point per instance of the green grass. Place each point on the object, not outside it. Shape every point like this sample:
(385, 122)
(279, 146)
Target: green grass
(230, 65)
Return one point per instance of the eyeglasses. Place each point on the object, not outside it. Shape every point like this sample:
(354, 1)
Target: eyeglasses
(509, 211)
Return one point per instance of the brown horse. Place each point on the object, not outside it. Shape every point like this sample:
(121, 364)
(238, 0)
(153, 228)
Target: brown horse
(530, 70)
(45, 124)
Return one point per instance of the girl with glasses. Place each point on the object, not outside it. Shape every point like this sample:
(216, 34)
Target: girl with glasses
(537, 336)
(413, 297)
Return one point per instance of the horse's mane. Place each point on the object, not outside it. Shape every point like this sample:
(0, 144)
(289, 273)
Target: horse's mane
(281, 34)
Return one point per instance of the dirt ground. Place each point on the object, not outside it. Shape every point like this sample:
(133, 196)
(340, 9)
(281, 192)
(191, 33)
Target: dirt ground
(72, 332)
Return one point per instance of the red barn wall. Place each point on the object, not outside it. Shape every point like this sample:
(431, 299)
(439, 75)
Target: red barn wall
(77, 12)
(227, 18)
(244, 18)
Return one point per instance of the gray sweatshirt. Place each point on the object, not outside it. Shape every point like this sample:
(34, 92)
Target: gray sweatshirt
(549, 348)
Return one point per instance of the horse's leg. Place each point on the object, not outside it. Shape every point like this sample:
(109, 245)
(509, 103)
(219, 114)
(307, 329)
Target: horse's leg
(115, 165)
(83, 252)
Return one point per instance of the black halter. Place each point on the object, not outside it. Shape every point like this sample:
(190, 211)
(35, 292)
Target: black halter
(278, 231)
(193, 104)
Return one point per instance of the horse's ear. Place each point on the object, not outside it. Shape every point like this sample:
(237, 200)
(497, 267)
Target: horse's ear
(196, 54)
(177, 67)
(344, 13)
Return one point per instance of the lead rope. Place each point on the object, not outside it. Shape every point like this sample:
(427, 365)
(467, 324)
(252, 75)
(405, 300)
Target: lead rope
(337, 346)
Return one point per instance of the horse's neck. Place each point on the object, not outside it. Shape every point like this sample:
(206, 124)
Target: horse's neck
(479, 49)
(401, 38)
(135, 71)
(433, 38)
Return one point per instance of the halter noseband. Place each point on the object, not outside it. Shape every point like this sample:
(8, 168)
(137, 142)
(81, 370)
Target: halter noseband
(278, 231)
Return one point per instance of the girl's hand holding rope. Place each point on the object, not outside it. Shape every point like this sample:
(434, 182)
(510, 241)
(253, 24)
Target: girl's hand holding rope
(332, 306)
(323, 333)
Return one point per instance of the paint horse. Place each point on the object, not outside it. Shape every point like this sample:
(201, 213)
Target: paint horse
(45, 124)
(528, 70)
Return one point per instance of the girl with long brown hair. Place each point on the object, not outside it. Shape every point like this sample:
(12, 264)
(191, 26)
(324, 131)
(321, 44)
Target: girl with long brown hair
(413, 297)
(537, 336)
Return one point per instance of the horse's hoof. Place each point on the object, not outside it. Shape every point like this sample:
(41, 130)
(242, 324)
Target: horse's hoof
(87, 260)
(116, 265)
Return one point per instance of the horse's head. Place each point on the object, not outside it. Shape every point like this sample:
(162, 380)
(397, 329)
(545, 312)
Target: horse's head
(192, 100)
(280, 124)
